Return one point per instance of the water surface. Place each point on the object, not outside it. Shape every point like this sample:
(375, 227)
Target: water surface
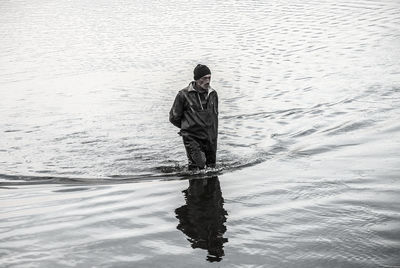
(93, 174)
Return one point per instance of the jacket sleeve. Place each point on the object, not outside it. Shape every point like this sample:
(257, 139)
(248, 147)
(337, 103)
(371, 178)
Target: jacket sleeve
(176, 113)
(216, 104)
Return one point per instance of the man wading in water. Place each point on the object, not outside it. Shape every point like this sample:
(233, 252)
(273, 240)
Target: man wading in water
(195, 112)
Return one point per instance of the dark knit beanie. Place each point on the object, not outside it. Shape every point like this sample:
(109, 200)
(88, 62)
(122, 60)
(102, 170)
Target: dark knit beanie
(200, 71)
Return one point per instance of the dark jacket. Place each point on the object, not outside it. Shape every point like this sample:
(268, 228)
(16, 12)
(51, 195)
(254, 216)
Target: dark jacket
(188, 114)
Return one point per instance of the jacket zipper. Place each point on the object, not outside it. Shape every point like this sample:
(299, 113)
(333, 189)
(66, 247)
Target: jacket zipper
(201, 105)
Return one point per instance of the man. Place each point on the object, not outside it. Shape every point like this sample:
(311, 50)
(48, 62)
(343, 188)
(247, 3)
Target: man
(195, 112)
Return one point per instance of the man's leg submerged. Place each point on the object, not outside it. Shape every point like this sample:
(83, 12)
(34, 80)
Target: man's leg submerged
(195, 154)
(211, 154)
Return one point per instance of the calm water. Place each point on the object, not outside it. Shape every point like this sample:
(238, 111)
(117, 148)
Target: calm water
(92, 173)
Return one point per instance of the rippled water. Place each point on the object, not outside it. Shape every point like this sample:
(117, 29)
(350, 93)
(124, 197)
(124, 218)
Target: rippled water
(92, 173)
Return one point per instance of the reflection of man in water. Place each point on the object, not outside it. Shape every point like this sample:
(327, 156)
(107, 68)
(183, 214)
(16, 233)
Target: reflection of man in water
(202, 218)
(195, 112)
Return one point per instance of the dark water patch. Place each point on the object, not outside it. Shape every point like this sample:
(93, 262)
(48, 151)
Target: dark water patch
(388, 231)
(320, 150)
(91, 141)
(33, 180)
(304, 133)
(125, 159)
(37, 180)
(391, 91)
(72, 189)
(264, 114)
(8, 188)
(246, 116)
(134, 149)
(349, 127)
(45, 171)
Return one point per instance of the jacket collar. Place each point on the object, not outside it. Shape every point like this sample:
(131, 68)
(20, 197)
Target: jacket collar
(191, 88)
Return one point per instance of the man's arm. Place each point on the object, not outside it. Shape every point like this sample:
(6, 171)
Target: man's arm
(216, 103)
(175, 115)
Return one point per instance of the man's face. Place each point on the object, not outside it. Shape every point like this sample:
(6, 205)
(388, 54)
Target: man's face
(204, 82)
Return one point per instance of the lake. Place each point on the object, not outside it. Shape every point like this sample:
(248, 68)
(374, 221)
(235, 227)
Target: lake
(92, 174)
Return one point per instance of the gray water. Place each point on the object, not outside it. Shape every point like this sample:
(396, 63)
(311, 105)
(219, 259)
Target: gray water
(92, 174)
